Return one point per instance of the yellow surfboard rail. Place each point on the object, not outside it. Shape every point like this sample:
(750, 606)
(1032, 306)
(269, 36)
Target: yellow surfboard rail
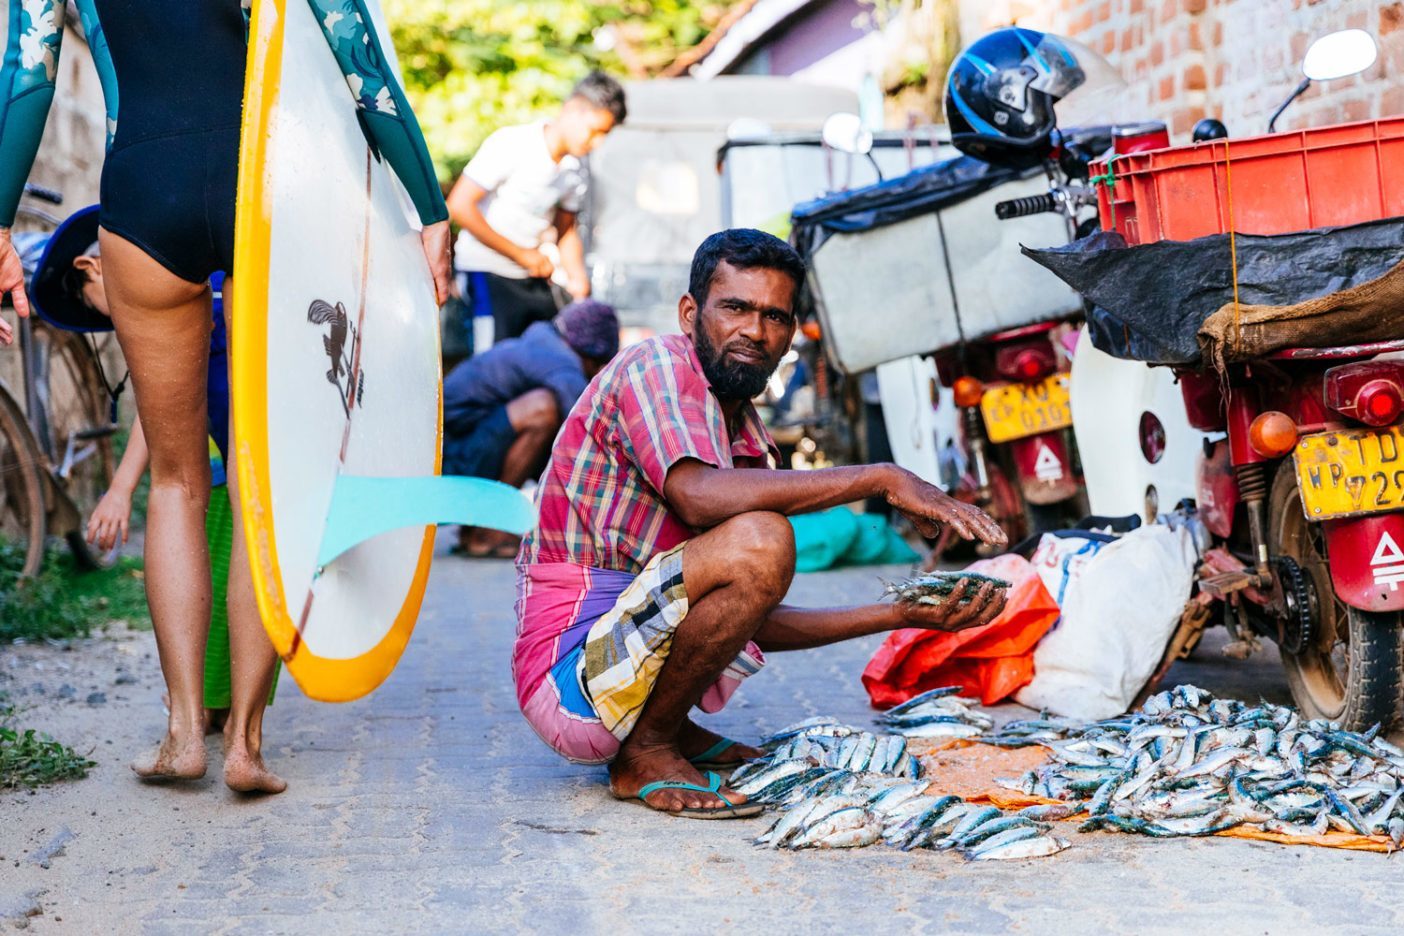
(323, 678)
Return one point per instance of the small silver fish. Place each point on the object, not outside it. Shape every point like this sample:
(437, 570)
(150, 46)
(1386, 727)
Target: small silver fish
(1039, 846)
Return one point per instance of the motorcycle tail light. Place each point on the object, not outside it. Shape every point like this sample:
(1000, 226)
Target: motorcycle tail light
(1371, 392)
(1272, 434)
(1152, 437)
(968, 391)
(1379, 403)
(1026, 364)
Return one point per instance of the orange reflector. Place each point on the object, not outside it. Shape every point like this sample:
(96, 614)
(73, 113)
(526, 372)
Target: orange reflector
(1272, 434)
(968, 391)
(812, 331)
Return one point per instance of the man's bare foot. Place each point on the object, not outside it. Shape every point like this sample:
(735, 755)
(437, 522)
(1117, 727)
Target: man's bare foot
(694, 740)
(245, 772)
(175, 759)
(638, 765)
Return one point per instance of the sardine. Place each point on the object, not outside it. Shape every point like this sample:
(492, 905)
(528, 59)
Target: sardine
(1040, 846)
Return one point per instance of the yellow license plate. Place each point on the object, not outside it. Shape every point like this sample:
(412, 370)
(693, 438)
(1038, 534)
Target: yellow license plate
(1352, 472)
(1014, 411)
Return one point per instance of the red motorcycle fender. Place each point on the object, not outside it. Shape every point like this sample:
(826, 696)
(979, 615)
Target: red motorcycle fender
(1044, 467)
(1367, 560)
(1218, 491)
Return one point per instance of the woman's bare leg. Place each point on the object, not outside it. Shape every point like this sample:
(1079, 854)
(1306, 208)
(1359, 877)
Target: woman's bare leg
(251, 654)
(163, 325)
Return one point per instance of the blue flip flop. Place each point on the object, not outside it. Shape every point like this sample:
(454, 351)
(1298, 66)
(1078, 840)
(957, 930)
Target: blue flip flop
(707, 760)
(714, 783)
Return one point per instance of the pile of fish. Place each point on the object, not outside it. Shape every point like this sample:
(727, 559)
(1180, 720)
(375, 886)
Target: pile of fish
(858, 810)
(934, 587)
(841, 787)
(1189, 764)
(939, 713)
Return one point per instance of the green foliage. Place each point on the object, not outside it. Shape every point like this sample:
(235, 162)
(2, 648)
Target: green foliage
(62, 602)
(472, 66)
(29, 759)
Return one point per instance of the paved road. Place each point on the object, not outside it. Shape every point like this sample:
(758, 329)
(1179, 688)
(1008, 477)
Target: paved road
(432, 807)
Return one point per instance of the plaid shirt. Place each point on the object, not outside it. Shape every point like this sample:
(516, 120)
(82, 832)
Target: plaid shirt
(601, 498)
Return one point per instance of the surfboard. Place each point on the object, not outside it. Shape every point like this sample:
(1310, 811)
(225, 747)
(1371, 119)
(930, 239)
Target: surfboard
(335, 364)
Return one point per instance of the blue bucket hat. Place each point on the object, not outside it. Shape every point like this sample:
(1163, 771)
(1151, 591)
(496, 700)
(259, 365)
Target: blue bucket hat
(52, 299)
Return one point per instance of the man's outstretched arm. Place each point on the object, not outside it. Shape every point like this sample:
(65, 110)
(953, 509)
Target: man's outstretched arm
(704, 496)
(790, 628)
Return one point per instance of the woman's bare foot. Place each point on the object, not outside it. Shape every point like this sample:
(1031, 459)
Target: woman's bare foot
(639, 765)
(245, 772)
(694, 740)
(175, 759)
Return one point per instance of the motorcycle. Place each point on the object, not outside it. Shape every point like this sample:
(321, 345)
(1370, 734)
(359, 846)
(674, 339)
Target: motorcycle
(1301, 487)
(1013, 386)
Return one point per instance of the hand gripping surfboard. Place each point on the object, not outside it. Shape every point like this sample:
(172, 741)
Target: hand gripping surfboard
(336, 380)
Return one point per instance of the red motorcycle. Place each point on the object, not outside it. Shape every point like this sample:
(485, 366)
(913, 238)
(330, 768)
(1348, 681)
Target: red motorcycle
(1304, 494)
(1303, 497)
(1012, 388)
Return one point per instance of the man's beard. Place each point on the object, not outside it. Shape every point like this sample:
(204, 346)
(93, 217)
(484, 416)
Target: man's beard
(730, 379)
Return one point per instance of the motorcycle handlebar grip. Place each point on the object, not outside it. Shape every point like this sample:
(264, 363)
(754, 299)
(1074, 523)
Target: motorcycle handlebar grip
(43, 194)
(1023, 207)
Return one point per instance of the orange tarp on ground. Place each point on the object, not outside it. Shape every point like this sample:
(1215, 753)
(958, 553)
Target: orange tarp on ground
(990, 662)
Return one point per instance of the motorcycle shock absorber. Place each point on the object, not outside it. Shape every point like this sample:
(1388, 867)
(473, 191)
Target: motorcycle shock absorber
(975, 438)
(1253, 488)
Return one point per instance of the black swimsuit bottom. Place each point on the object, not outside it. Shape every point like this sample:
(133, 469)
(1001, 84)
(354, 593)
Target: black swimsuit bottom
(169, 181)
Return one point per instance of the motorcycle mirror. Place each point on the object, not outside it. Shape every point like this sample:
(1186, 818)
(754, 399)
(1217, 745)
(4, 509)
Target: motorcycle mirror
(1340, 55)
(845, 132)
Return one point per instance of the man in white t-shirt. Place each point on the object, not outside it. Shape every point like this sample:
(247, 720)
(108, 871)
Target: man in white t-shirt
(523, 183)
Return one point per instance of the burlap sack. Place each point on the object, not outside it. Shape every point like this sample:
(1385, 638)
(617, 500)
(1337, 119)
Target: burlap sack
(1370, 312)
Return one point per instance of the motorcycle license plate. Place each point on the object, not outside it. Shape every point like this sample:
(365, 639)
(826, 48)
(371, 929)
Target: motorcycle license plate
(1013, 411)
(1351, 472)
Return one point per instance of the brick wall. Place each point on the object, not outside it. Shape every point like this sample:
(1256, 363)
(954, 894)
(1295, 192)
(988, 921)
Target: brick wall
(1232, 59)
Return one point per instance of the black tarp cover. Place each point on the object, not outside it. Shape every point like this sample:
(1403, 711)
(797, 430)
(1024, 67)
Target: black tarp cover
(918, 192)
(1150, 300)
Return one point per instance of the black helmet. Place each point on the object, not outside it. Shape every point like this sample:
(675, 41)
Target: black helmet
(1000, 94)
(1207, 129)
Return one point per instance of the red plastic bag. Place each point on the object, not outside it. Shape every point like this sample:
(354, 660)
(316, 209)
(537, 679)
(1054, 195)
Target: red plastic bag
(990, 662)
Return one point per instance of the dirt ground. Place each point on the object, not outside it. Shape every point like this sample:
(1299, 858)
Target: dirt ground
(431, 806)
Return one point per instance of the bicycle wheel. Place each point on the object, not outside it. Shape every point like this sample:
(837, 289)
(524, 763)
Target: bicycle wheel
(74, 425)
(22, 520)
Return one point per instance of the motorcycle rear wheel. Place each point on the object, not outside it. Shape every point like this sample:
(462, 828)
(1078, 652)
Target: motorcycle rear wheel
(1350, 670)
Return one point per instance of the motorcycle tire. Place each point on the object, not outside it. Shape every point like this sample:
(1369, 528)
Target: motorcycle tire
(1351, 670)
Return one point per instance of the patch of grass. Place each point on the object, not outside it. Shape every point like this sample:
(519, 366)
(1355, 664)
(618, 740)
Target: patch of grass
(117, 594)
(62, 602)
(30, 759)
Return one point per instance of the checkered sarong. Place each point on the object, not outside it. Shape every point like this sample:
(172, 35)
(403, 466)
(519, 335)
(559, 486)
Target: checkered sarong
(626, 648)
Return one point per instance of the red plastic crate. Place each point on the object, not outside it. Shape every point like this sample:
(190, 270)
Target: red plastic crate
(1292, 181)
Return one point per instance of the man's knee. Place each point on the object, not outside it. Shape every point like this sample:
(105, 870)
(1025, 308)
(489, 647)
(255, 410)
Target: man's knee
(764, 546)
(535, 410)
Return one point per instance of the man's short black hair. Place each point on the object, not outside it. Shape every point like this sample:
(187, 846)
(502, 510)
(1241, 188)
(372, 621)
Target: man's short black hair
(602, 93)
(745, 249)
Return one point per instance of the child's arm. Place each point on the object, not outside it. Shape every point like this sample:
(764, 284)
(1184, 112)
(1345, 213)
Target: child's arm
(111, 518)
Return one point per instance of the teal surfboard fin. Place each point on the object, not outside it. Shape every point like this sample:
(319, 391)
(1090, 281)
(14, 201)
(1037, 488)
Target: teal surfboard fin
(363, 507)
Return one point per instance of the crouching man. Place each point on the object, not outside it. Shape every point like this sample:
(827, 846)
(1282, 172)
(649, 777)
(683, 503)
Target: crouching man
(503, 407)
(652, 584)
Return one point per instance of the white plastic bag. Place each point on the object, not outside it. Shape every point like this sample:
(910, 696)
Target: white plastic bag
(1118, 615)
(1059, 560)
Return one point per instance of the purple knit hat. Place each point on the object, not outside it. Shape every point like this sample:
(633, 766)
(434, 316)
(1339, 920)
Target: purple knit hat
(591, 329)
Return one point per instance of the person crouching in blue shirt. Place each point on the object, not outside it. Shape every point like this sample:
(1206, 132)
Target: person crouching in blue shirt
(503, 407)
